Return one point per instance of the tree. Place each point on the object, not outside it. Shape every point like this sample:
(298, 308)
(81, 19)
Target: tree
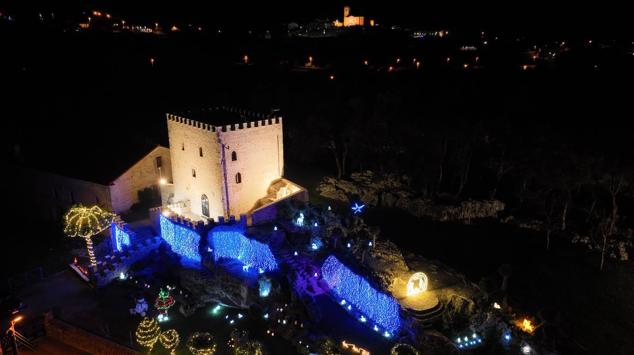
(548, 207)
(340, 157)
(505, 271)
(86, 222)
(614, 184)
(501, 166)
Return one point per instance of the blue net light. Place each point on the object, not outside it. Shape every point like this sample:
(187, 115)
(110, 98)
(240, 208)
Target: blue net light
(183, 240)
(229, 242)
(121, 237)
(382, 309)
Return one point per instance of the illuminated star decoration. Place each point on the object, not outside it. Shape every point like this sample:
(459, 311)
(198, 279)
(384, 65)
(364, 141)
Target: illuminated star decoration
(356, 209)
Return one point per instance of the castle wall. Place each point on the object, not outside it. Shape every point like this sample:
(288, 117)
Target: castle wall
(44, 196)
(260, 161)
(143, 174)
(186, 137)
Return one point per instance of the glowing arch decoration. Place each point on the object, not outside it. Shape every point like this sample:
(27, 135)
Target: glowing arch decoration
(357, 293)
(229, 242)
(417, 284)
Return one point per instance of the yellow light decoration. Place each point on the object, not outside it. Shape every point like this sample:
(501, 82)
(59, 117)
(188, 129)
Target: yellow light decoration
(526, 325)
(403, 349)
(417, 284)
(85, 222)
(249, 348)
(170, 340)
(353, 348)
(147, 333)
(201, 344)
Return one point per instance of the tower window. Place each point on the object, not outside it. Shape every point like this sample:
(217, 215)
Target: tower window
(200, 151)
(193, 172)
(183, 146)
(159, 162)
(238, 178)
(234, 156)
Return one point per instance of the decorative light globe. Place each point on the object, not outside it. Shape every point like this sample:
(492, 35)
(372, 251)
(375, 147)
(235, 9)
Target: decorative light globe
(417, 284)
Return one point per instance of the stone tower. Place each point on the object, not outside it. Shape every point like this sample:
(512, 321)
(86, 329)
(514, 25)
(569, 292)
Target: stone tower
(224, 160)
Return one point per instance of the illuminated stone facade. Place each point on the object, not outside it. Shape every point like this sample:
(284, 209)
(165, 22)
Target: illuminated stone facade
(223, 170)
(349, 20)
(146, 173)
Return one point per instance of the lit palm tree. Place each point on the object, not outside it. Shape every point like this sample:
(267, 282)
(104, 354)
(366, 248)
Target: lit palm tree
(85, 222)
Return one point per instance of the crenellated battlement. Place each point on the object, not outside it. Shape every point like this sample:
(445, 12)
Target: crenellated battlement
(255, 119)
(197, 225)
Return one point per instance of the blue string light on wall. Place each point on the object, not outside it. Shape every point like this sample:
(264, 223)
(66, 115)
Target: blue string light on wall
(229, 242)
(121, 237)
(183, 241)
(356, 292)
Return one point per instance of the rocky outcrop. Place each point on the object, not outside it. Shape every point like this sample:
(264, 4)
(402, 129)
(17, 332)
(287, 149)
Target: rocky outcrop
(393, 191)
(211, 287)
(386, 262)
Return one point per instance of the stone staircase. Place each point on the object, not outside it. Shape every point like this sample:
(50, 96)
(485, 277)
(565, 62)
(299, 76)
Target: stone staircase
(427, 318)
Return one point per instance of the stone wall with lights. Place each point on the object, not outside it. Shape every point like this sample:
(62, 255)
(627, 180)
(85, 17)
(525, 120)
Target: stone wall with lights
(258, 146)
(143, 174)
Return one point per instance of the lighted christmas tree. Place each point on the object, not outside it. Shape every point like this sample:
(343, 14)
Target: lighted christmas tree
(170, 340)
(163, 303)
(147, 333)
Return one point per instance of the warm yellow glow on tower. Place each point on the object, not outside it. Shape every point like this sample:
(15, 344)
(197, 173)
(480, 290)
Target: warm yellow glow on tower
(417, 284)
